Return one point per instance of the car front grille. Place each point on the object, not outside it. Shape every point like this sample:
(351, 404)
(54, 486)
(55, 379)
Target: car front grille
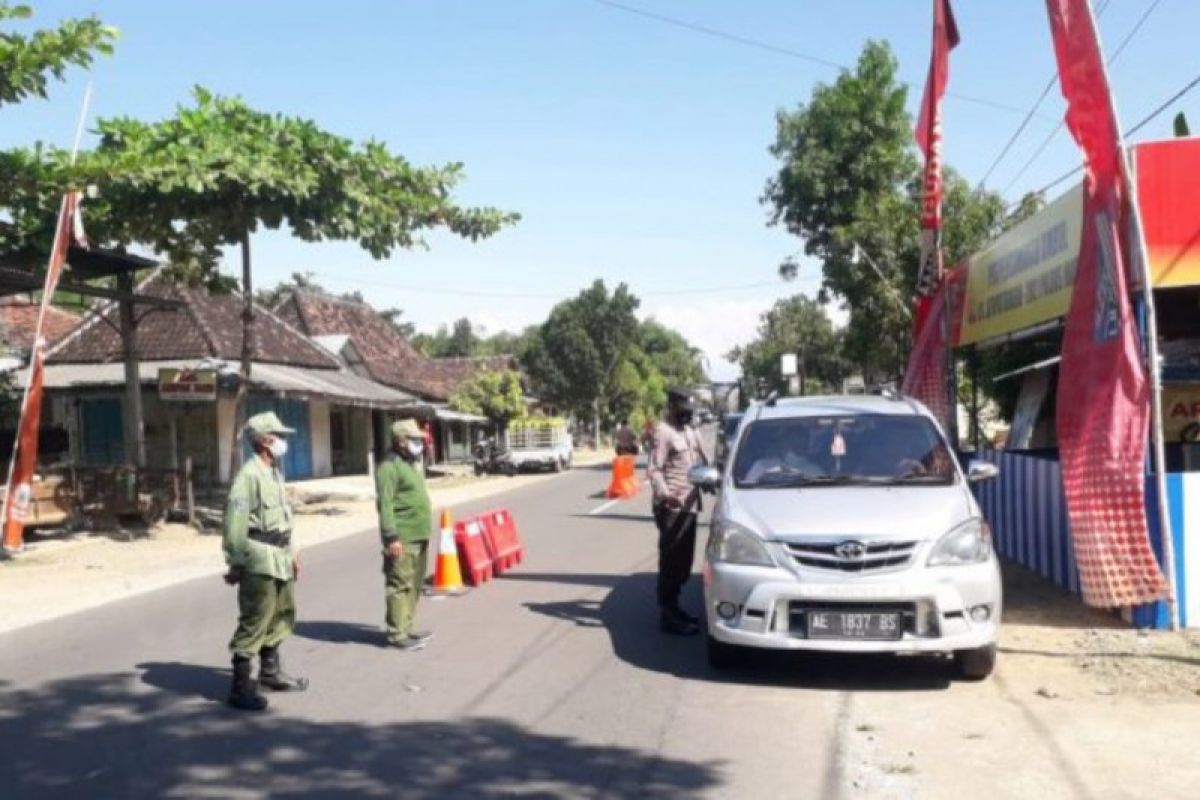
(874, 557)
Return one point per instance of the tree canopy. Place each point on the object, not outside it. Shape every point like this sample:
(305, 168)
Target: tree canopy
(27, 63)
(495, 394)
(796, 325)
(849, 175)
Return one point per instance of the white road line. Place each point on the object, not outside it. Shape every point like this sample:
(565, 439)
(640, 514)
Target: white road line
(600, 509)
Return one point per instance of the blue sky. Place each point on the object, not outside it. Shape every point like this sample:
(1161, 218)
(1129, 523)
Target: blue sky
(635, 149)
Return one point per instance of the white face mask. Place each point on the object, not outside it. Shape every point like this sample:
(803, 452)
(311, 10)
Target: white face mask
(278, 448)
(416, 448)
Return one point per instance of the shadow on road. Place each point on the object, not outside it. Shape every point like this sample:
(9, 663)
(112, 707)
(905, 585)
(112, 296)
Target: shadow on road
(340, 632)
(618, 517)
(629, 615)
(111, 736)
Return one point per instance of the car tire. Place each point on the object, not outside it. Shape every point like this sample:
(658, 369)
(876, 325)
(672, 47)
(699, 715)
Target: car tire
(556, 466)
(977, 664)
(722, 655)
(510, 470)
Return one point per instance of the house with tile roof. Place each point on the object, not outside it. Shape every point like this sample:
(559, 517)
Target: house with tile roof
(327, 401)
(389, 358)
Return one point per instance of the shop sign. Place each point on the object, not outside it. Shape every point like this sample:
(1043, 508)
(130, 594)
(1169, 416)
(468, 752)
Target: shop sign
(195, 385)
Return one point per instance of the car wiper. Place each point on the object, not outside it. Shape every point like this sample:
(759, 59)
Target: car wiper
(787, 480)
(899, 479)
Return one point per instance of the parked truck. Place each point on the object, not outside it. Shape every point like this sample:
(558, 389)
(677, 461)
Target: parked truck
(539, 443)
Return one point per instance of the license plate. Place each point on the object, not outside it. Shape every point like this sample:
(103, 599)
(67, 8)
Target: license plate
(853, 625)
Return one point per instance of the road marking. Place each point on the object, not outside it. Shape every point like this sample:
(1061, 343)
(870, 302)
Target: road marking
(604, 507)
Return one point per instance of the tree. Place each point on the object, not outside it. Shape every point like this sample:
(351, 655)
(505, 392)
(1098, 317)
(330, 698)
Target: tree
(218, 171)
(797, 325)
(849, 183)
(27, 63)
(671, 355)
(573, 359)
(495, 394)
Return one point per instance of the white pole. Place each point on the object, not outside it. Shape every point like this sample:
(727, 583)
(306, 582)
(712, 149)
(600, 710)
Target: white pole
(1156, 428)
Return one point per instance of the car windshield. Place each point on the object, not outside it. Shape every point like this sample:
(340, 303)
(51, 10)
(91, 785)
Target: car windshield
(864, 449)
(731, 425)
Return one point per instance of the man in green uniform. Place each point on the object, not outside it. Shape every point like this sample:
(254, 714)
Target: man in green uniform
(258, 550)
(404, 520)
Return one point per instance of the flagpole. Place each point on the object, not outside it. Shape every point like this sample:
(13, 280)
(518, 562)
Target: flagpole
(47, 290)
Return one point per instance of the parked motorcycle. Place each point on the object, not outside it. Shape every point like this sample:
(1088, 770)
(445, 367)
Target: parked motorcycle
(492, 458)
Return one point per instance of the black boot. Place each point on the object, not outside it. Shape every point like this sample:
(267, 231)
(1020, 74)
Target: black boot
(243, 693)
(272, 676)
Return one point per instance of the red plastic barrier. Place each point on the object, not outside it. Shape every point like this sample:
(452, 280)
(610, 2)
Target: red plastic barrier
(471, 537)
(503, 540)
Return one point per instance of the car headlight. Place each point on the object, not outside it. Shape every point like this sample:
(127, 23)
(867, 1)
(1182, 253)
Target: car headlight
(969, 543)
(733, 544)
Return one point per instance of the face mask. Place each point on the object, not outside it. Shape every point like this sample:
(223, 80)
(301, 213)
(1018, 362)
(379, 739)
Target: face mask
(278, 448)
(415, 449)
(683, 416)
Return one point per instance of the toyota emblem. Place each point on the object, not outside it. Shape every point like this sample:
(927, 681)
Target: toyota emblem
(851, 551)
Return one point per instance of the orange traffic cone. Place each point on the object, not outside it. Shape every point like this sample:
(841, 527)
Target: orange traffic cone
(447, 576)
(624, 482)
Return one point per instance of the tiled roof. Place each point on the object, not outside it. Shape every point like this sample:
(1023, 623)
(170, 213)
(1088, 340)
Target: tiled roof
(208, 326)
(387, 355)
(18, 320)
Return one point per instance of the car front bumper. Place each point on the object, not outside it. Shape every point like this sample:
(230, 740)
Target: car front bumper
(771, 603)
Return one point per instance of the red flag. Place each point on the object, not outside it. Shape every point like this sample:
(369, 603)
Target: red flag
(19, 496)
(1103, 391)
(929, 139)
(926, 375)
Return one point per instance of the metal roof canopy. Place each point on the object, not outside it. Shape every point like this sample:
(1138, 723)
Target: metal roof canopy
(22, 272)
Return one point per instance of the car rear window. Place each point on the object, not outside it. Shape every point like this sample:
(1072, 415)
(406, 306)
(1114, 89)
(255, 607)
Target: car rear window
(878, 449)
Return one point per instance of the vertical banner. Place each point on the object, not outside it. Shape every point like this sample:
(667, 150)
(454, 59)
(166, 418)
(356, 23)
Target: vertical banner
(1103, 412)
(927, 373)
(19, 495)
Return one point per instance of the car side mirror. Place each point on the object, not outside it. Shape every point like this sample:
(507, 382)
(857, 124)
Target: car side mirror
(981, 471)
(704, 476)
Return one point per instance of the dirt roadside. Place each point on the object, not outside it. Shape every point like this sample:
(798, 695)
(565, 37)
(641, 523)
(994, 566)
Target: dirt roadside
(100, 567)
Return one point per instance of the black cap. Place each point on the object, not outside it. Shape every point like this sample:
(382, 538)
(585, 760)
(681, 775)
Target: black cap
(681, 397)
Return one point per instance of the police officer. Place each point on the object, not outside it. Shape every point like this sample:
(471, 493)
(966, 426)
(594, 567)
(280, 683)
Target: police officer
(677, 448)
(258, 550)
(404, 520)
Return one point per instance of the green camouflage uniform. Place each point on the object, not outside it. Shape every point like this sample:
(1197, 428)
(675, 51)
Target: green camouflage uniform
(266, 597)
(404, 514)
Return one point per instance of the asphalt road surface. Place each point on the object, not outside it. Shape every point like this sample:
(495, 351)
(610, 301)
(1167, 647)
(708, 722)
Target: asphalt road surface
(552, 681)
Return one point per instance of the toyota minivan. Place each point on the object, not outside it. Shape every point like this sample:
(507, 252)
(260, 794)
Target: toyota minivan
(846, 524)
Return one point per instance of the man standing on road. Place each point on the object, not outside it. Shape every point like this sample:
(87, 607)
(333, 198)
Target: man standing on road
(404, 520)
(625, 440)
(258, 549)
(677, 448)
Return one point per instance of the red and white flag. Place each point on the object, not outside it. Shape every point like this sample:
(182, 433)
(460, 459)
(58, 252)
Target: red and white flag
(926, 375)
(19, 496)
(1103, 389)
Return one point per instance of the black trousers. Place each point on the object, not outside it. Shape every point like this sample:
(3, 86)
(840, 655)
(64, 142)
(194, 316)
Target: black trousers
(676, 551)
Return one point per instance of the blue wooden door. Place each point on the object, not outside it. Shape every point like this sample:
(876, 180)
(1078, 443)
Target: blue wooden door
(103, 431)
(298, 462)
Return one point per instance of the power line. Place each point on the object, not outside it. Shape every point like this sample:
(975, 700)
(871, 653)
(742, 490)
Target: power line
(1057, 128)
(520, 295)
(1146, 120)
(1029, 115)
(758, 44)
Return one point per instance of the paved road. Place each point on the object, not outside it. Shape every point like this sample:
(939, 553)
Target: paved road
(551, 682)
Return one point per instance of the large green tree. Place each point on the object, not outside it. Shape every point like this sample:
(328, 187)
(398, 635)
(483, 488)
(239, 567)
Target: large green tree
(671, 355)
(848, 184)
(579, 348)
(800, 326)
(218, 171)
(29, 62)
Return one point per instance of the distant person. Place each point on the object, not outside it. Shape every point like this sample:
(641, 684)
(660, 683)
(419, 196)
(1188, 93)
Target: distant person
(427, 435)
(626, 440)
(648, 435)
(404, 521)
(257, 541)
(677, 448)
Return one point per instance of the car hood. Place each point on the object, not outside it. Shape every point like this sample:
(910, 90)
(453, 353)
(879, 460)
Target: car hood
(892, 512)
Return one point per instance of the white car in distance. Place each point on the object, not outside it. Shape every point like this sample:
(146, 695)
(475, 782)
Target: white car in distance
(845, 524)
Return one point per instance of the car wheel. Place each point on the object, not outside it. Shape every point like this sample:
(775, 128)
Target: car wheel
(723, 656)
(977, 664)
(557, 466)
(510, 470)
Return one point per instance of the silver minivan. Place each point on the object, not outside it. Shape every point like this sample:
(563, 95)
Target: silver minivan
(846, 524)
